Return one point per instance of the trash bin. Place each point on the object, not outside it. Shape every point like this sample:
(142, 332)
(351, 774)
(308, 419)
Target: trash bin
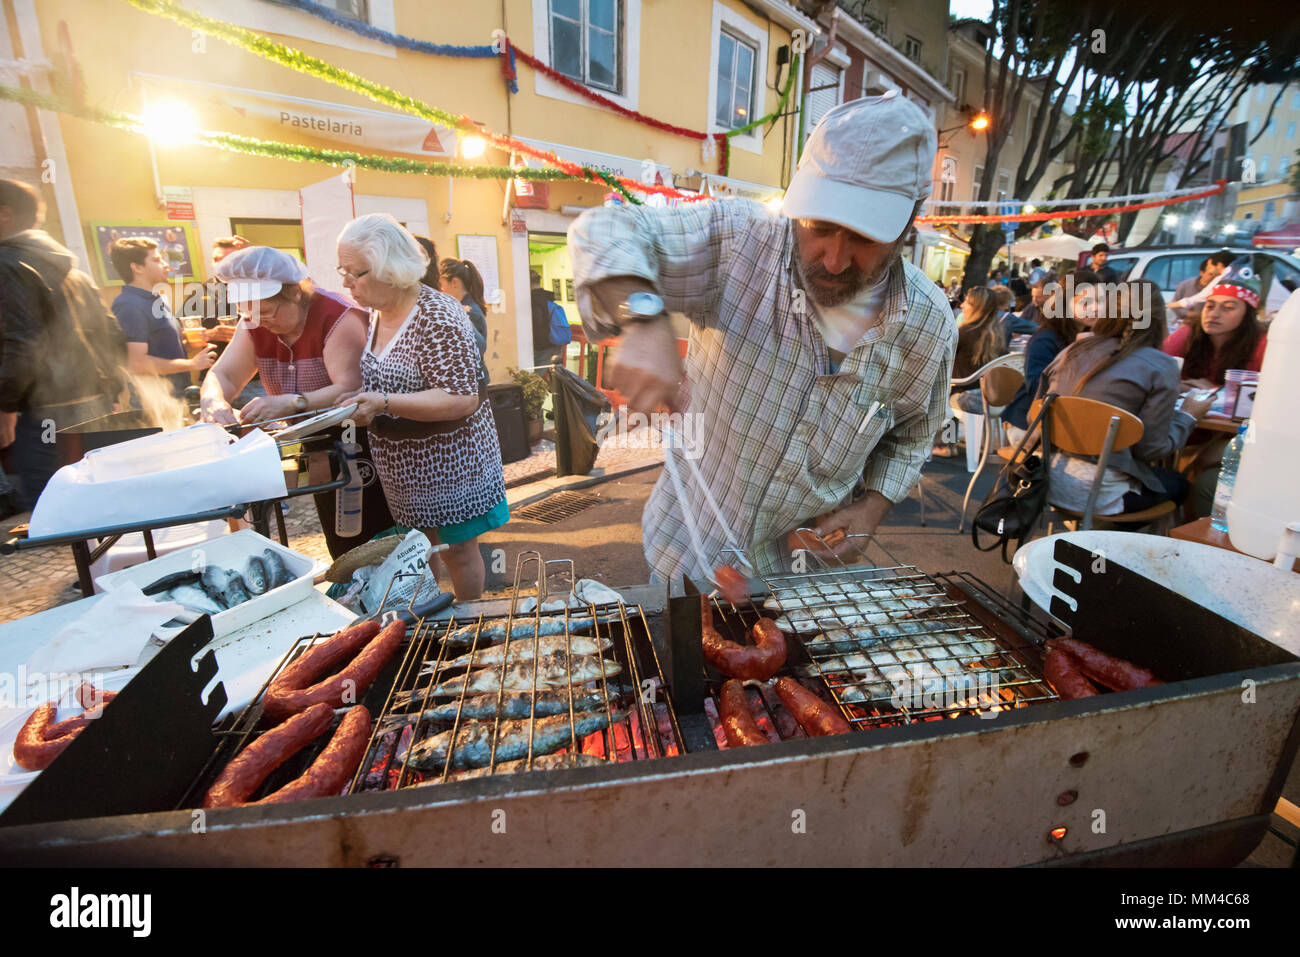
(578, 406)
(512, 428)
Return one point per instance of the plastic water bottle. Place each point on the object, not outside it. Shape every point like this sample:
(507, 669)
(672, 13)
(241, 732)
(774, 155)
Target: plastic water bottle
(347, 505)
(1227, 479)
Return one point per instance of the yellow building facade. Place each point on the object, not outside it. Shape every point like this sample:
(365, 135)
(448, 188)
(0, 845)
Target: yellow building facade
(670, 61)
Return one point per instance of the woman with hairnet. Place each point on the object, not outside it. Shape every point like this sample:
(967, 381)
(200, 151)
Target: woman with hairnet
(305, 344)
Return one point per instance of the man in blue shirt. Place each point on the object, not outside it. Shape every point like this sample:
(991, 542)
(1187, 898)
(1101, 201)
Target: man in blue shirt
(153, 336)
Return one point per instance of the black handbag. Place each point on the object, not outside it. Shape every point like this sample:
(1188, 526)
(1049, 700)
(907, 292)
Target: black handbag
(1018, 497)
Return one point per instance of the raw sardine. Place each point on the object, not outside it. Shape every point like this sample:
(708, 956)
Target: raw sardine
(255, 576)
(485, 706)
(522, 650)
(495, 631)
(168, 582)
(547, 762)
(277, 572)
(555, 670)
(473, 746)
(195, 598)
(224, 585)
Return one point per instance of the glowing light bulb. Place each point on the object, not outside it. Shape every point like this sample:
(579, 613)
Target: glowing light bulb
(472, 147)
(980, 122)
(1171, 220)
(1198, 225)
(170, 122)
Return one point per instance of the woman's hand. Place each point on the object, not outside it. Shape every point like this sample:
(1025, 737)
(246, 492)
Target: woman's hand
(369, 405)
(1198, 384)
(267, 408)
(1195, 407)
(220, 412)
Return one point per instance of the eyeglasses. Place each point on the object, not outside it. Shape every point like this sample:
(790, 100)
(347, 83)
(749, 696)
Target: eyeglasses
(258, 309)
(354, 276)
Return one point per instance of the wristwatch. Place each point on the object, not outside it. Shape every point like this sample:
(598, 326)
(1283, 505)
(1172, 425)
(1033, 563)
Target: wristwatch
(300, 403)
(641, 307)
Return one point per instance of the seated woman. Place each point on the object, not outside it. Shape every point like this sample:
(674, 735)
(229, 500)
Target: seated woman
(1227, 336)
(305, 344)
(980, 339)
(1121, 364)
(1058, 329)
(421, 363)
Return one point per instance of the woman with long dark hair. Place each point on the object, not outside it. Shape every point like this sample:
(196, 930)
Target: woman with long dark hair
(1121, 364)
(461, 280)
(1057, 330)
(981, 338)
(1228, 335)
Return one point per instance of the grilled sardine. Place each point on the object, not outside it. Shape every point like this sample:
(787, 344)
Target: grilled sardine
(485, 706)
(522, 650)
(473, 746)
(495, 631)
(555, 670)
(547, 762)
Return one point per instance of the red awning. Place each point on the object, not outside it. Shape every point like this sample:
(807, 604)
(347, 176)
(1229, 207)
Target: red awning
(1287, 237)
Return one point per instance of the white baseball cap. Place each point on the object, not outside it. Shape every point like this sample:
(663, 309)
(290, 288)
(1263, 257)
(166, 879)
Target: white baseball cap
(258, 272)
(865, 166)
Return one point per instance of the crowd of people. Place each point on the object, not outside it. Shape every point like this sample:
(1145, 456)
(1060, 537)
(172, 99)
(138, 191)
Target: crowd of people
(1118, 342)
(406, 345)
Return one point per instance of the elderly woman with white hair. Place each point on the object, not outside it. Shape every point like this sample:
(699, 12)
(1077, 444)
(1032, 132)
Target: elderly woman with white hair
(421, 363)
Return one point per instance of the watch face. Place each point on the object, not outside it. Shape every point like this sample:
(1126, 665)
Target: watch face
(645, 304)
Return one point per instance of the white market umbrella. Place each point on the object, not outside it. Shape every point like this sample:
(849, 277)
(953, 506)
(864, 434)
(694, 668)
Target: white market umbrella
(1060, 246)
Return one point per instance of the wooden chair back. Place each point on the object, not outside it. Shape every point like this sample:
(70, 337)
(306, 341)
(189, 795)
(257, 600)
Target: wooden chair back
(1079, 425)
(1000, 385)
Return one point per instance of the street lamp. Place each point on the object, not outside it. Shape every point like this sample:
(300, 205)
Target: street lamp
(979, 121)
(472, 147)
(169, 122)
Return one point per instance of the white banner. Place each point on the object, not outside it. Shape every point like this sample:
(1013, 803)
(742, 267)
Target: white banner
(327, 207)
(358, 128)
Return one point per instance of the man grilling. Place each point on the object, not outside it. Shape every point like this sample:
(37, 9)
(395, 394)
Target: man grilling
(818, 358)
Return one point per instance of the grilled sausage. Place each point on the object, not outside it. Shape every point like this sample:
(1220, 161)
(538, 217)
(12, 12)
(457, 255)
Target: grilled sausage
(243, 775)
(1064, 675)
(32, 749)
(91, 698)
(333, 767)
(69, 726)
(732, 585)
(815, 716)
(737, 720)
(370, 649)
(759, 661)
(1115, 673)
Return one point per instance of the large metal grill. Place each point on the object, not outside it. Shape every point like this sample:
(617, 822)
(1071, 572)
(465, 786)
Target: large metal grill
(645, 726)
(893, 645)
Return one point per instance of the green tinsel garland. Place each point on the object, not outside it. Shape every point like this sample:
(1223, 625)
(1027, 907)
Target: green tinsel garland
(294, 59)
(295, 152)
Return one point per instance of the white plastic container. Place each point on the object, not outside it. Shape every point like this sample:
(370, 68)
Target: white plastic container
(193, 445)
(1266, 497)
(230, 551)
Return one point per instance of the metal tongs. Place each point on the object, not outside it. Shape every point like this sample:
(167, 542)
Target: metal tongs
(671, 441)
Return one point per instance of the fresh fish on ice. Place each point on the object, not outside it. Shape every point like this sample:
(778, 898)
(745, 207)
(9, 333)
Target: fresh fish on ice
(473, 742)
(255, 576)
(168, 582)
(224, 585)
(522, 650)
(556, 670)
(277, 572)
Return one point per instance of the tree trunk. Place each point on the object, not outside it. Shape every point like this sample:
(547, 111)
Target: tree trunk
(985, 241)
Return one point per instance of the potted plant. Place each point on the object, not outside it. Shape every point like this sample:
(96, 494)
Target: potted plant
(535, 392)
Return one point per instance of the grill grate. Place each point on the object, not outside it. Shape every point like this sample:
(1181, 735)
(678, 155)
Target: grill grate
(896, 646)
(646, 725)
(556, 508)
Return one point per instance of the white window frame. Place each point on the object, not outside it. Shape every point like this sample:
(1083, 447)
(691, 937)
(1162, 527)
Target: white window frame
(958, 89)
(754, 95)
(585, 28)
(838, 62)
(1290, 130)
(977, 174)
(629, 56)
(1003, 194)
(286, 21)
(756, 36)
(908, 41)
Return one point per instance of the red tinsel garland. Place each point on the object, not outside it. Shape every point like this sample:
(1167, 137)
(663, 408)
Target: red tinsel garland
(1077, 214)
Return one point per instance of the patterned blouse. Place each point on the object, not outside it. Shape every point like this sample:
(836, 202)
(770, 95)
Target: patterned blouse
(444, 479)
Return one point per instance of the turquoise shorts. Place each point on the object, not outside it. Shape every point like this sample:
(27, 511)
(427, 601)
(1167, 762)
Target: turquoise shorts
(494, 517)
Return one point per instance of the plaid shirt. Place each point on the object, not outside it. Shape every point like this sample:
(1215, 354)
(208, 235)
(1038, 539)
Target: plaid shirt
(777, 437)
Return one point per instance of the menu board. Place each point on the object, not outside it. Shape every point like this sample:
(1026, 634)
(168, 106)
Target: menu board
(482, 252)
(176, 241)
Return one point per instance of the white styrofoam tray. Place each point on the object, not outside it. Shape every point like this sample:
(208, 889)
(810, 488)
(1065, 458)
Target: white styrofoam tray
(229, 551)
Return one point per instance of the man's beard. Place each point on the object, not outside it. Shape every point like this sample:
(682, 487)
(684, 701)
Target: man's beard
(829, 289)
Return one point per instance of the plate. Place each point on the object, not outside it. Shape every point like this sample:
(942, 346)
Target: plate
(10, 772)
(316, 423)
(1245, 590)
